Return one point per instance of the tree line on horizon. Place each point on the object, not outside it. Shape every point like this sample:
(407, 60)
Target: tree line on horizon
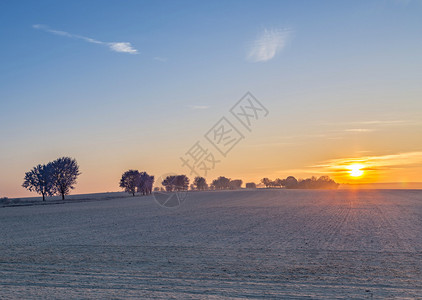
(323, 182)
(133, 181)
(59, 177)
(181, 183)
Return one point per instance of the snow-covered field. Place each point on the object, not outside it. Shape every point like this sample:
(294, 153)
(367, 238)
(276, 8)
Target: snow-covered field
(234, 244)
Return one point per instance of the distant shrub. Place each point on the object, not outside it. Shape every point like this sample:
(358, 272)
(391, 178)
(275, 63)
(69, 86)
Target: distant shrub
(176, 183)
(200, 183)
(323, 182)
(5, 200)
(235, 184)
(221, 183)
(250, 185)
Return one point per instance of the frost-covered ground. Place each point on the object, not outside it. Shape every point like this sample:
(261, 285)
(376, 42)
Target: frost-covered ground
(235, 244)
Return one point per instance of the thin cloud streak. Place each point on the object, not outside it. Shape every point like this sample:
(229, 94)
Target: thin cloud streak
(122, 47)
(377, 163)
(387, 123)
(373, 165)
(374, 162)
(274, 144)
(268, 44)
(359, 130)
(376, 123)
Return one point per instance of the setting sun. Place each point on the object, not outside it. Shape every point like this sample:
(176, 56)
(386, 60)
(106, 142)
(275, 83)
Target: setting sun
(355, 170)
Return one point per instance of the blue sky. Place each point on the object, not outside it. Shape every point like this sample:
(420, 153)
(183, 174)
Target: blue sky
(320, 68)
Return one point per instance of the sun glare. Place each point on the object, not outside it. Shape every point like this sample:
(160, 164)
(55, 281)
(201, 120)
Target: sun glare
(355, 170)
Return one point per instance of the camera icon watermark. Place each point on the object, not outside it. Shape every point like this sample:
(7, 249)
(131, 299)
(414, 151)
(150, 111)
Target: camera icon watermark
(173, 191)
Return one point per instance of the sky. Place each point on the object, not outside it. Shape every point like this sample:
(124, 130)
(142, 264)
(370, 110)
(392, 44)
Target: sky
(121, 85)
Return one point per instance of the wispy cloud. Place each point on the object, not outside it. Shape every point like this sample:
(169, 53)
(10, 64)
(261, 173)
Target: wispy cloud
(268, 44)
(376, 123)
(122, 47)
(274, 144)
(196, 107)
(387, 122)
(359, 130)
(374, 162)
(369, 125)
(373, 165)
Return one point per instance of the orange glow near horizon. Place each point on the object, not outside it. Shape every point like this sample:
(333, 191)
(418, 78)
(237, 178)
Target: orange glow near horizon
(387, 168)
(355, 170)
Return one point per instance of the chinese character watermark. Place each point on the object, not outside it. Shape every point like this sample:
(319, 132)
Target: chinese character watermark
(199, 159)
(248, 109)
(223, 137)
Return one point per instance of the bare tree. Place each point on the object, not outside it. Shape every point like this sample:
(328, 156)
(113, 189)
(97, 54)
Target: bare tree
(176, 183)
(235, 184)
(39, 180)
(64, 172)
(145, 183)
(200, 183)
(324, 182)
(169, 183)
(290, 182)
(327, 182)
(278, 182)
(221, 183)
(130, 181)
(250, 185)
(266, 182)
(182, 182)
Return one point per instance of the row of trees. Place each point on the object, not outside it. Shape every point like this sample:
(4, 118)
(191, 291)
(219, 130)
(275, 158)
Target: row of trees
(59, 178)
(55, 178)
(323, 182)
(176, 183)
(200, 183)
(134, 181)
(224, 183)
